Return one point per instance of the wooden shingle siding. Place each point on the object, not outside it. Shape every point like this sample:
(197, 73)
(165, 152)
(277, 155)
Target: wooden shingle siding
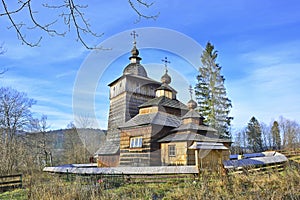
(135, 156)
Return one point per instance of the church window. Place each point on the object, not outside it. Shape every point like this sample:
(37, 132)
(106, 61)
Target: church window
(136, 142)
(172, 150)
(168, 94)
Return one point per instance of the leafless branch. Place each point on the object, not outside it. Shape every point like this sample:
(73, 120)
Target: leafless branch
(138, 12)
(72, 15)
(43, 27)
(2, 71)
(18, 27)
(14, 11)
(2, 51)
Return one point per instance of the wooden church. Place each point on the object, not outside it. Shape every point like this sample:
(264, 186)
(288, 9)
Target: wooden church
(149, 126)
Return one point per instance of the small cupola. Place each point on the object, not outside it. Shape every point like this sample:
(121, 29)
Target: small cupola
(134, 67)
(134, 58)
(165, 90)
(191, 104)
(166, 79)
(192, 116)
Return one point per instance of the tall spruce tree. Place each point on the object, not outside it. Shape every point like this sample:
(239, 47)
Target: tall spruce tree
(254, 135)
(211, 94)
(276, 139)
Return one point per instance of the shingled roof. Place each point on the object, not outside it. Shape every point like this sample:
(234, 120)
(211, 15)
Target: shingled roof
(158, 118)
(146, 79)
(192, 114)
(191, 137)
(194, 127)
(110, 147)
(164, 101)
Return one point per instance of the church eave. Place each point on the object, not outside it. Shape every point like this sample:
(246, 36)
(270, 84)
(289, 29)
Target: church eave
(149, 80)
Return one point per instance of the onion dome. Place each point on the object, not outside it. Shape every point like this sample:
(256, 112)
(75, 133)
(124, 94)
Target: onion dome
(134, 67)
(191, 104)
(166, 79)
(134, 52)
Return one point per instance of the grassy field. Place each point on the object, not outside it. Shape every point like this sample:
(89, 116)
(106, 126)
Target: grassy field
(276, 185)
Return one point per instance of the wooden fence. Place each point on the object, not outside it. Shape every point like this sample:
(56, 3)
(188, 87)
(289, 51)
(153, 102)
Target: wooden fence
(159, 178)
(262, 169)
(116, 180)
(290, 152)
(10, 182)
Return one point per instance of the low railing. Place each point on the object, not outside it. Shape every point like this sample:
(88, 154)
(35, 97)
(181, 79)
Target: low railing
(159, 178)
(263, 169)
(10, 182)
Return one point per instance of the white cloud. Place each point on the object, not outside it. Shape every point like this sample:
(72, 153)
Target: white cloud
(270, 88)
(66, 73)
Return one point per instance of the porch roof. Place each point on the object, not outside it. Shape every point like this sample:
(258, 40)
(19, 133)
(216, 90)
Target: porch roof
(208, 146)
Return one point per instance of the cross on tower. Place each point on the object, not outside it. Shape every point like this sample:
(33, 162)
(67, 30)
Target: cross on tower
(166, 63)
(191, 91)
(135, 35)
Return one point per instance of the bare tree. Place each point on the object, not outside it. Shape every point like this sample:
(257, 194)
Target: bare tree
(74, 150)
(2, 51)
(291, 132)
(276, 138)
(15, 115)
(84, 121)
(240, 142)
(71, 14)
(266, 136)
(44, 151)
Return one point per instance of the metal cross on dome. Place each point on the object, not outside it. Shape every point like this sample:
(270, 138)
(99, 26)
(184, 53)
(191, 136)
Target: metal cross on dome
(135, 35)
(165, 60)
(191, 91)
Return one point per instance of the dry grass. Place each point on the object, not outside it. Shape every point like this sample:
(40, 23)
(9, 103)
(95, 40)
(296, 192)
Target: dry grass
(277, 185)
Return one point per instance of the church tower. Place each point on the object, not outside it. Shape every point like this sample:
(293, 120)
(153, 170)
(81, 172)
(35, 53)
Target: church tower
(127, 92)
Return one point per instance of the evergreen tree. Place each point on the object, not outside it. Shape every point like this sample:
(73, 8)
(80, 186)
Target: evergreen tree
(276, 135)
(254, 135)
(211, 93)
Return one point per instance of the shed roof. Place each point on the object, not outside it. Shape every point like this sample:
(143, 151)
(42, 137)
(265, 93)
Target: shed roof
(109, 147)
(208, 146)
(254, 161)
(158, 118)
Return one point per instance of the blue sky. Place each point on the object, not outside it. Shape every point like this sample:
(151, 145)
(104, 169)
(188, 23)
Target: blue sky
(258, 44)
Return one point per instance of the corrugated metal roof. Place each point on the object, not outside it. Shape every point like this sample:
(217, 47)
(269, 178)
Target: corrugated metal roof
(158, 118)
(253, 155)
(109, 147)
(254, 161)
(125, 170)
(208, 146)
